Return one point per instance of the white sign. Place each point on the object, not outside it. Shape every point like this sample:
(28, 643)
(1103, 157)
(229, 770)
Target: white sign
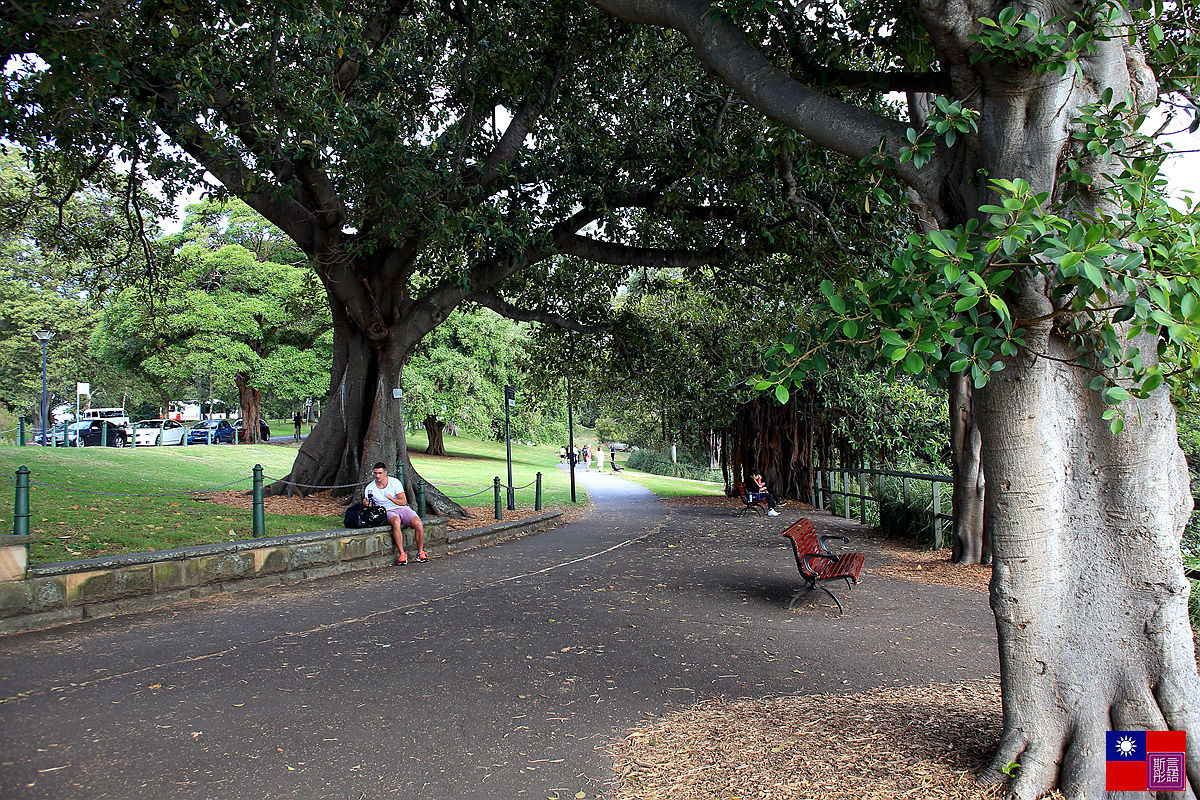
(84, 389)
(397, 393)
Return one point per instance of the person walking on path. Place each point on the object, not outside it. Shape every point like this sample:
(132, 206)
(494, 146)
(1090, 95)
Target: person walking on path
(600, 458)
(389, 493)
(562, 455)
(297, 419)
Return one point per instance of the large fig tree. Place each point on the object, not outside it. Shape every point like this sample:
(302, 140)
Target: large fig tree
(1053, 278)
(421, 155)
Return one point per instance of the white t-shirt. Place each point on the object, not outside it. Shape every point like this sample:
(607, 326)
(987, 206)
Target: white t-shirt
(393, 488)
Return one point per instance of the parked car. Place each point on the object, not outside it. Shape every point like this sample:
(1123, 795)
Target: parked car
(93, 433)
(264, 431)
(56, 435)
(165, 432)
(214, 430)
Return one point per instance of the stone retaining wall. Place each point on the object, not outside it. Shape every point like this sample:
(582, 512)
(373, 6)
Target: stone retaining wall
(69, 591)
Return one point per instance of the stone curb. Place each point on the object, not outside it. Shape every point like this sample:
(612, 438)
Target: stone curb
(72, 591)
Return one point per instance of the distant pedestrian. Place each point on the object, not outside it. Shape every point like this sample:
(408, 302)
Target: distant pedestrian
(296, 418)
(562, 455)
(600, 458)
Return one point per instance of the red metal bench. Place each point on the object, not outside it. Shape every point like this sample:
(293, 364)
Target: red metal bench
(748, 504)
(817, 563)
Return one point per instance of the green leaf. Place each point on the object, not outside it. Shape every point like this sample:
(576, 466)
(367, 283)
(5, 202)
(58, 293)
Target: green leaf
(1189, 305)
(1114, 395)
(782, 394)
(965, 303)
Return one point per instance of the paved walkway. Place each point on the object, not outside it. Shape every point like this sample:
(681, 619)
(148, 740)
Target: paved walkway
(503, 672)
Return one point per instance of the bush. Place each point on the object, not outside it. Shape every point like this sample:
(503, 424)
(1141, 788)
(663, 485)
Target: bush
(910, 521)
(658, 464)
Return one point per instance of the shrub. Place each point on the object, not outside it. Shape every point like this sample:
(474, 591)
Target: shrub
(658, 464)
(910, 521)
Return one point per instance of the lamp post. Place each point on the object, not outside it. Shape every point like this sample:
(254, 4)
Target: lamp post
(44, 337)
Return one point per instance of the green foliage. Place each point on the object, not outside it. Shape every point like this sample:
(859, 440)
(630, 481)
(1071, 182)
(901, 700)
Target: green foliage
(1187, 423)
(53, 252)
(943, 304)
(909, 521)
(222, 314)
(607, 430)
(458, 374)
(646, 460)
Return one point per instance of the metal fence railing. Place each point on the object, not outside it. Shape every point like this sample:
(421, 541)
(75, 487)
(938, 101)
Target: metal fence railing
(850, 484)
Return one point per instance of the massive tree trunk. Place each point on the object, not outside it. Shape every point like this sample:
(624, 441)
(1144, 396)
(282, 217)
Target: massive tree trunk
(1088, 590)
(971, 545)
(433, 429)
(362, 423)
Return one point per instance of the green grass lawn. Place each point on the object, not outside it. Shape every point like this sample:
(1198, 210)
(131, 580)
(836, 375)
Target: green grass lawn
(73, 522)
(82, 513)
(663, 486)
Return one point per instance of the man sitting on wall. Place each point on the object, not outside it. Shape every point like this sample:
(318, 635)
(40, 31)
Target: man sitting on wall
(389, 493)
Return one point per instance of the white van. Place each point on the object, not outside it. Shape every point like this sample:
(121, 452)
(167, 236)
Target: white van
(116, 416)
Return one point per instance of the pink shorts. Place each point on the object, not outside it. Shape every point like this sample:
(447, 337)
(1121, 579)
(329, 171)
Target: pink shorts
(406, 515)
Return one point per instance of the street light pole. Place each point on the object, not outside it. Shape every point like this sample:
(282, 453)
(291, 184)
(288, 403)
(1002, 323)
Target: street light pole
(44, 337)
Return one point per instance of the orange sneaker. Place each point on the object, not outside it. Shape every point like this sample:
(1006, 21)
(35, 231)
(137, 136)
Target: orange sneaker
(422, 557)
(402, 559)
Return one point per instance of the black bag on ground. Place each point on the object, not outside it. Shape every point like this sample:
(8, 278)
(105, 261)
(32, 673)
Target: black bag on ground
(360, 516)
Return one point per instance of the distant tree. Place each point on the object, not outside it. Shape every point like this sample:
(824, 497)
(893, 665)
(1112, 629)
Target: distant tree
(222, 314)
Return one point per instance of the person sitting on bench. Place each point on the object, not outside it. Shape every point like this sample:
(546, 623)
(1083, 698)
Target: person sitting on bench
(757, 490)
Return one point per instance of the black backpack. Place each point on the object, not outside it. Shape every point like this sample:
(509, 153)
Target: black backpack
(368, 516)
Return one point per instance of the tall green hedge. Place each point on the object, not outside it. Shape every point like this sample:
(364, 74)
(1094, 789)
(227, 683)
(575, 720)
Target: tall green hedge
(658, 464)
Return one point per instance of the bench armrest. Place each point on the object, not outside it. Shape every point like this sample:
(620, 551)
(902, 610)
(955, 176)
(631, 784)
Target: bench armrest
(825, 549)
(808, 557)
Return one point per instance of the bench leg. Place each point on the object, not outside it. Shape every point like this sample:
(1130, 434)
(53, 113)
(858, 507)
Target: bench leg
(835, 600)
(807, 589)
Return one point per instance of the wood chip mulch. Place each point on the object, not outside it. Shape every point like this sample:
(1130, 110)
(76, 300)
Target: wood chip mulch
(910, 742)
(320, 504)
(932, 567)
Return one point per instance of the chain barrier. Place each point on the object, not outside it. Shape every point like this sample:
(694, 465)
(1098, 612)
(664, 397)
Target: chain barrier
(468, 496)
(183, 492)
(290, 482)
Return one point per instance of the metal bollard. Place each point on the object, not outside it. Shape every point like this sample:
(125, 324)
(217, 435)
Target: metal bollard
(420, 498)
(21, 425)
(133, 436)
(496, 488)
(258, 524)
(400, 471)
(104, 436)
(21, 505)
(537, 494)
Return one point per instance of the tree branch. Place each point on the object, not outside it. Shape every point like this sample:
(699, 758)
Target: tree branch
(724, 50)
(506, 309)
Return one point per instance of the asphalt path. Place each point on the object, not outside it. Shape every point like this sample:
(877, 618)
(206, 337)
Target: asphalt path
(503, 672)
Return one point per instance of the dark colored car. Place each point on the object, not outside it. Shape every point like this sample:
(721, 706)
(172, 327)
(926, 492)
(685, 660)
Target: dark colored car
(92, 433)
(264, 431)
(211, 430)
